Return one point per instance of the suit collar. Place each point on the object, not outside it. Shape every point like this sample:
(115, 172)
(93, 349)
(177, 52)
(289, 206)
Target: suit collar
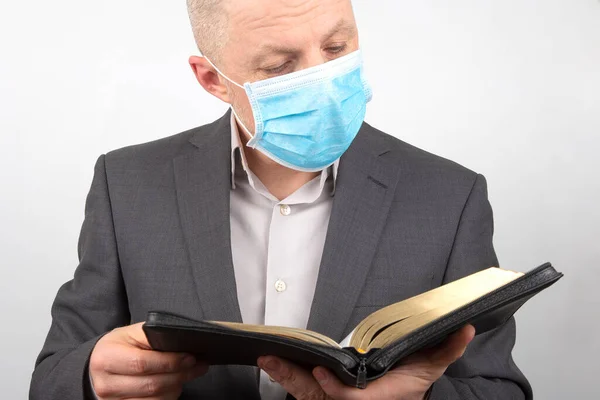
(214, 134)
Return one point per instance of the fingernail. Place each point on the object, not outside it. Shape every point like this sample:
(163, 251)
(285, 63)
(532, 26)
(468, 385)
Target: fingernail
(272, 366)
(188, 362)
(320, 376)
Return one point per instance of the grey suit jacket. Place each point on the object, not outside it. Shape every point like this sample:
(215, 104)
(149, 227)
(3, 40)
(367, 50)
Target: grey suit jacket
(156, 236)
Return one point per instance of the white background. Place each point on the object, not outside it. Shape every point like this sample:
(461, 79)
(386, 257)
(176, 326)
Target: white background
(508, 88)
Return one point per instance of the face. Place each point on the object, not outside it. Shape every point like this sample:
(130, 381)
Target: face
(268, 38)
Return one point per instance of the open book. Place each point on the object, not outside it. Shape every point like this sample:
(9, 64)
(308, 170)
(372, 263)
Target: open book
(486, 299)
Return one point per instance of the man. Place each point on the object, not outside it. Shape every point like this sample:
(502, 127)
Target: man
(255, 218)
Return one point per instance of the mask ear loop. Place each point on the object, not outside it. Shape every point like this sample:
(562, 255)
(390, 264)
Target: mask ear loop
(231, 106)
(222, 74)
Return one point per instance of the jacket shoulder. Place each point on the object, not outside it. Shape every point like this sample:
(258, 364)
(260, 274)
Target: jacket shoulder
(423, 164)
(151, 153)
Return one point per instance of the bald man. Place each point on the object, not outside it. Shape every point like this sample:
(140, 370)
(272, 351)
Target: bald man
(289, 210)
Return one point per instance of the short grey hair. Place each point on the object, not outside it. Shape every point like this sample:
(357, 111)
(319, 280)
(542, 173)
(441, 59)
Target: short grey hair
(209, 24)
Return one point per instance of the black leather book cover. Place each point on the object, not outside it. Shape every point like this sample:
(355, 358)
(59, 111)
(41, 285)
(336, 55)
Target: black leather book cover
(220, 345)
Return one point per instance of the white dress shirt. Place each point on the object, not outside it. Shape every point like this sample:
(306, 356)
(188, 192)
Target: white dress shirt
(276, 248)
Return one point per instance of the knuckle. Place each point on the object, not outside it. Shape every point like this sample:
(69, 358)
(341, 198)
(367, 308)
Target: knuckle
(97, 351)
(293, 379)
(168, 365)
(138, 365)
(288, 376)
(97, 361)
(151, 387)
(102, 388)
(100, 361)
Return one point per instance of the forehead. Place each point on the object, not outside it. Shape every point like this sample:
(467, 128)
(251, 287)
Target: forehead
(260, 23)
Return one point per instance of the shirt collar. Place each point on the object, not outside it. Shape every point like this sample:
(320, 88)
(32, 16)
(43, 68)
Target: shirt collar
(237, 144)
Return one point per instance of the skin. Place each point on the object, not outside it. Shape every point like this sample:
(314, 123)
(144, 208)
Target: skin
(267, 38)
(409, 381)
(271, 38)
(123, 366)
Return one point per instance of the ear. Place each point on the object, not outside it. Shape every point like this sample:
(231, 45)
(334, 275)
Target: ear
(209, 78)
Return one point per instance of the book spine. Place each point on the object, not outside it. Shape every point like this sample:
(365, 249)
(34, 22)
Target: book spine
(361, 377)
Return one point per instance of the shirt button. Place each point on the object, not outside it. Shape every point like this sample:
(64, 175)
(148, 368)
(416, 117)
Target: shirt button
(280, 286)
(285, 210)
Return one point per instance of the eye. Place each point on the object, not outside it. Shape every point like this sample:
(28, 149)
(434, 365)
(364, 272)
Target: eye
(276, 70)
(336, 49)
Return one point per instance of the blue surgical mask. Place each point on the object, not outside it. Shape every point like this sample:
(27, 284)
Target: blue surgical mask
(307, 119)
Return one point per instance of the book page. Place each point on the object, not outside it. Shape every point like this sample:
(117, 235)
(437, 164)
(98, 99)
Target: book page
(403, 317)
(346, 341)
(292, 333)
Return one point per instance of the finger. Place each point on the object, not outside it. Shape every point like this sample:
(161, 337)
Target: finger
(198, 370)
(163, 385)
(162, 397)
(174, 396)
(453, 347)
(295, 380)
(126, 386)
(126, 360)
(135, 336)
(333, 387)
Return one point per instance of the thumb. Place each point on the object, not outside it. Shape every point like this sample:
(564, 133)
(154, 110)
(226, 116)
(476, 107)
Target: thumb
(134, 335)
(455, 345)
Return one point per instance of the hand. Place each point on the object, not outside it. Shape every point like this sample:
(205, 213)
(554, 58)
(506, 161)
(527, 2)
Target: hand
(409, 381)
(122, 365)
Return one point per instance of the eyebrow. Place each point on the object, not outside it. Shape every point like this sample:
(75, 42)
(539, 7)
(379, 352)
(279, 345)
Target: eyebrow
(268, 49)
(342, 26)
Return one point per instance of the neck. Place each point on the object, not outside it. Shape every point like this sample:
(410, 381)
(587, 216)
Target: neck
(279, 180)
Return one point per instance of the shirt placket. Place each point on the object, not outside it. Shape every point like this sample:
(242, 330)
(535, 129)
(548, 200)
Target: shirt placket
(280, 279)
(282, 273)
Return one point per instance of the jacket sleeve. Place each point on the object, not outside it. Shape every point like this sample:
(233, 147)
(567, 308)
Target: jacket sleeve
(487, 370)
(91, 304)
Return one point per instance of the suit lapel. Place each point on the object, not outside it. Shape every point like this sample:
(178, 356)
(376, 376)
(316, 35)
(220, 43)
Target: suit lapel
(364, 192)
(203, 182)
